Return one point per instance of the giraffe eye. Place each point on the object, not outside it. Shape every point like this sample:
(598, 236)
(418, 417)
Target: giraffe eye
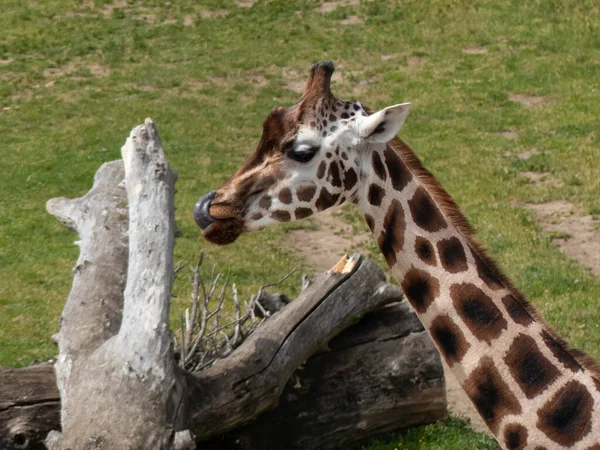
(303, 153)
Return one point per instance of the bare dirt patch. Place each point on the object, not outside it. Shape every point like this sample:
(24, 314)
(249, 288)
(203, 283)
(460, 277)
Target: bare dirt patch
(508, 134)
(245, 3)
(527, 154)
(542, 179)
(577, 235)
(327, 7)
(71, 68)
(5, 62)
(351, 20)
(529, 101)
(213, 14)
(474, 50)
(188, 21)
(323, 248)
(108, 8)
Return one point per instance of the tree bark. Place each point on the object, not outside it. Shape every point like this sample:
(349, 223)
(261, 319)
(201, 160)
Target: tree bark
(116, 373)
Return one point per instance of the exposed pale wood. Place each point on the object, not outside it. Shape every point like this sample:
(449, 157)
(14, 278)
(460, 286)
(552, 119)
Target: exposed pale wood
(135, 367)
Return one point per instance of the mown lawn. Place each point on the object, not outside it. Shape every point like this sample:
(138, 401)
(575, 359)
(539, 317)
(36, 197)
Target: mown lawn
(488, 80)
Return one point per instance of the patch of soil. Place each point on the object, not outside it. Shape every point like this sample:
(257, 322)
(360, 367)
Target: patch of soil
(578, 236)
(474, 50)
(508, 134)
(351, 20)
(527, 154)
(328, 7)
(323, 248)
(542, 179)
(206, 14)
(245, 3)
(188, 21)
(68, 69)
(529, 101)
(108, 8)
(5, 62)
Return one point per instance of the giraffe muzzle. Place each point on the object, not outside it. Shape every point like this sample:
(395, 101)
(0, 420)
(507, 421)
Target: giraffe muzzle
(201, 210)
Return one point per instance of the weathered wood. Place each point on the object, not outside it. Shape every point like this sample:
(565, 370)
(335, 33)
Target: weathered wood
(29, 406)
(380, 375)
(135, 366)
(250, 381)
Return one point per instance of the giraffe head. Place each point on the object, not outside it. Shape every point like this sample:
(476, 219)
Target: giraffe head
(310, 157)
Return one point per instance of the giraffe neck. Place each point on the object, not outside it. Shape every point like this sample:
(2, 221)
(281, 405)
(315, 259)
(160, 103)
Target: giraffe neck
(531, 391)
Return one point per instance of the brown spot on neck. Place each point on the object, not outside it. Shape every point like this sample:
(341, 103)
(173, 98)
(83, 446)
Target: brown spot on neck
(490, 394)
(566, 417)
(478, 311)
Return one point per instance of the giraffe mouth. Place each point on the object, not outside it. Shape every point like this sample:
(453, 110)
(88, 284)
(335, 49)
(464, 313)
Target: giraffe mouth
(202, 211)
(218, 230)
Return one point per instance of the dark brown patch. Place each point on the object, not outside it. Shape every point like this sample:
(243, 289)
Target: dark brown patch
(594, 447)
(332, 118)
(478, 311)
(515, 436)
(529, 367)
(345, 115)
(370, 222)
(452, 255)
(425, 213)
(560, 352)
(420, 288)
(321, 170)
(540, 448)
(567, 417)
(350, 179)
(449, 338)
(265, 202)
(375, 195)
(391, 239)
(398, 171)
(596, 383)
(486, 273)
(326, 199)
(256, 216)
(490, 394)
(281, 216)
(345, 156)
(306, 192)
(301, 213)
(378, 166)
(285, 196)
(516, 311)
(334, 175)
(424, 251)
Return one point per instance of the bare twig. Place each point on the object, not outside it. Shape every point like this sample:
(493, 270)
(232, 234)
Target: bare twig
(209, 334)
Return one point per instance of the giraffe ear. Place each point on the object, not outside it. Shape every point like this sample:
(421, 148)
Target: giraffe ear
(383, 125)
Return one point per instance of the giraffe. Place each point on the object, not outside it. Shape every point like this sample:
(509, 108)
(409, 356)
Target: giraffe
(530, 388)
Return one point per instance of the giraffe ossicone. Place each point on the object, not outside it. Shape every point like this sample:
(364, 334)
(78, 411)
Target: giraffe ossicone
(530, 388)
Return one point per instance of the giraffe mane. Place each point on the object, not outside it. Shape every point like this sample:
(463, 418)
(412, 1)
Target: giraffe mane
(452, 211)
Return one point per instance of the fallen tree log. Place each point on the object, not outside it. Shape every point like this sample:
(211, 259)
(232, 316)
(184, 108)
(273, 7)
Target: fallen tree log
(117, 375)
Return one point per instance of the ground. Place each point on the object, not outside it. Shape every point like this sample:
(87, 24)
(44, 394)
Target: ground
(505, 107)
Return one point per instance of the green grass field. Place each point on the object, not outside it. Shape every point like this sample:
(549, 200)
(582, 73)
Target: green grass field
(488, 80)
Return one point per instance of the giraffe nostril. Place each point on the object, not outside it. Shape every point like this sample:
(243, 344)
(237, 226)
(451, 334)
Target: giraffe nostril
(201, 214)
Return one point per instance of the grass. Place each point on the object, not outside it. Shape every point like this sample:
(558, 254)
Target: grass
(75, 77)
